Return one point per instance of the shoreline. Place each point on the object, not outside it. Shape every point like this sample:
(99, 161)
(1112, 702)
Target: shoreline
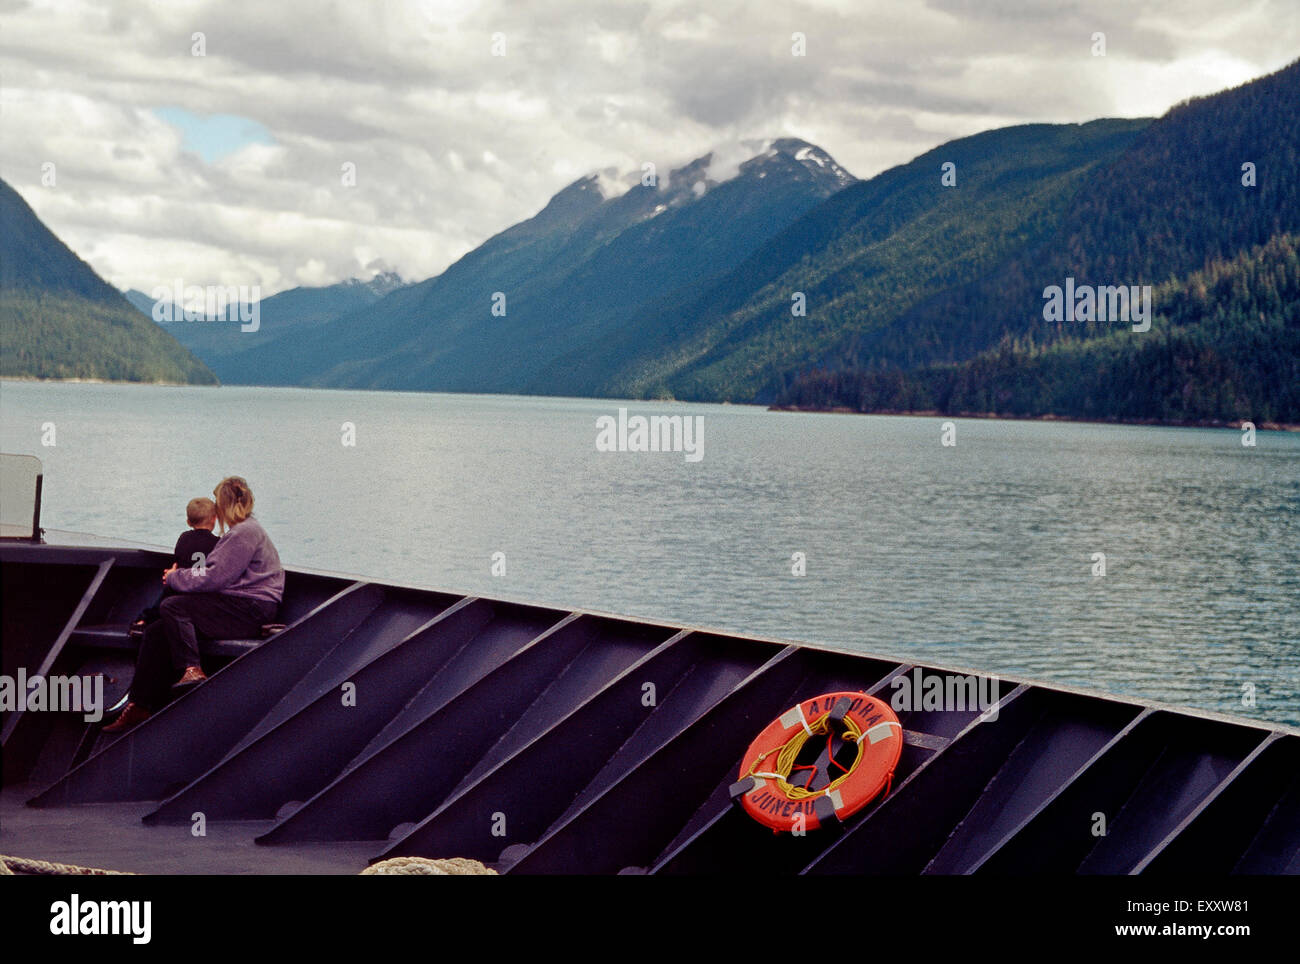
(994, 416)
(834, 410)
(103, 381)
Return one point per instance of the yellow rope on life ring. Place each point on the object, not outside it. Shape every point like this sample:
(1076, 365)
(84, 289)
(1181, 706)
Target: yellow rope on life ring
(789, 752)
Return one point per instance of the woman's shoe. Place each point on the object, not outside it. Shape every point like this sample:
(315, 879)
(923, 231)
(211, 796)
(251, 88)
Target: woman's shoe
(192, 676)
(133, 714)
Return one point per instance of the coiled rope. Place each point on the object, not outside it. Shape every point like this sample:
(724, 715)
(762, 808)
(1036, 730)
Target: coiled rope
(30, 865)
(448, 867)
(453, 866)
(788, 753)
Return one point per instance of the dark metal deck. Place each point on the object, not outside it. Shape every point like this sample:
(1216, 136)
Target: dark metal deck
(388, 721)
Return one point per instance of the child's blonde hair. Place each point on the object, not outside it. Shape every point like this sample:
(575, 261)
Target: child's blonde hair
(200, 511)
(234, 501)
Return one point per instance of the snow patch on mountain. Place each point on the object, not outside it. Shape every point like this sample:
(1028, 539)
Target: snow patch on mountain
(804, 153)
(722, 164)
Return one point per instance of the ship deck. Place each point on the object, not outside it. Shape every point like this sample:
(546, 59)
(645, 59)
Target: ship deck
(389, 721)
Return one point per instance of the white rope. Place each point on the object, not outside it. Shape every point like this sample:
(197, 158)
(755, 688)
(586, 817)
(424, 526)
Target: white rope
(802, 719)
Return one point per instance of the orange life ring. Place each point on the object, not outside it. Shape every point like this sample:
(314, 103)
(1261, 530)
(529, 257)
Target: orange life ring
(824, 781)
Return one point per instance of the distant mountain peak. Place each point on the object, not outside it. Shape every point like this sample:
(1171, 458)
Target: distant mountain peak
(571, 204)
(811, 157)
(757, 158)
(380, 283)
(694, 178)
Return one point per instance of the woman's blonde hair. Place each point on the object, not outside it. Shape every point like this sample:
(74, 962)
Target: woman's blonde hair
(234, 501)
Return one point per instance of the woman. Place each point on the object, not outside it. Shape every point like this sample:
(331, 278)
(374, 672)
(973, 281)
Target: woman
(230, 595)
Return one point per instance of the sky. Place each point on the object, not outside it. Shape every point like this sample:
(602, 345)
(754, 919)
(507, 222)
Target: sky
(302, 143)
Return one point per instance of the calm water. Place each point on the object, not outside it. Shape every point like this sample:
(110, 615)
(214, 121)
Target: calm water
(976, 555)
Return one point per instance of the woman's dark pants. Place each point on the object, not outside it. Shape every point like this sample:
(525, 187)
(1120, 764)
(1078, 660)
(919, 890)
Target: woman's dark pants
(171, 644)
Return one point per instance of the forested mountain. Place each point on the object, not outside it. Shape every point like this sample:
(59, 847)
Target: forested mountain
(1174, 202)
(58, 319)
(1211, 179)
(1224, 346)
(287, 314)
(859, 260)
(573, 274)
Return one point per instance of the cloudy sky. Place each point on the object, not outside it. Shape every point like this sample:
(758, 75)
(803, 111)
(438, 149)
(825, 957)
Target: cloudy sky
(222, 158)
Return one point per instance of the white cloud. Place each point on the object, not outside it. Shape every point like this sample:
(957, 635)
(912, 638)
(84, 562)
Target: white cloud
(726, 158)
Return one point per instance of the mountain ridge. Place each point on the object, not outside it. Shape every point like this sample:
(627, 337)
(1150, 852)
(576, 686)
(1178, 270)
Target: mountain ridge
(575, 267)
(59, 319)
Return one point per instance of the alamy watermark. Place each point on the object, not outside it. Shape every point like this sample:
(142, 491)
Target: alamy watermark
(182, 302)
(947, 693)
(75, 917)
(1126, 303)
(654, 433)
(53, 694)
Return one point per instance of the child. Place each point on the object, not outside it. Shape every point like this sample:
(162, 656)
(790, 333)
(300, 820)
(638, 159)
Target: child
(198, 540)
(191, 550)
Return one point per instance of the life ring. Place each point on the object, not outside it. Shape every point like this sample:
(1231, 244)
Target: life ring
(832, 778)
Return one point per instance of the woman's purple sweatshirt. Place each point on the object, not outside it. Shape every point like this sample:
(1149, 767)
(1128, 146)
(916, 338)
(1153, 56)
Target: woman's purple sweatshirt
(242, 563)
